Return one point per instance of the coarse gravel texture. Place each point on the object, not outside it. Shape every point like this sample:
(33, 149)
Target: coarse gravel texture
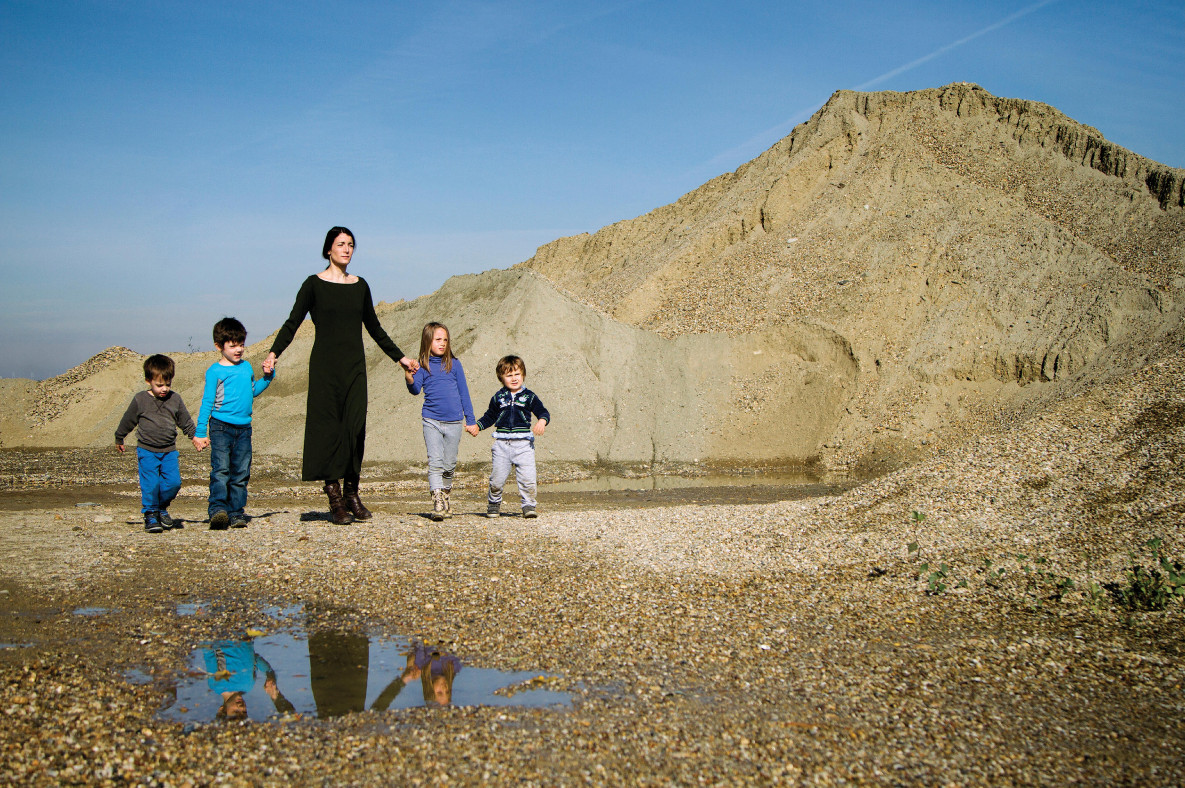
(787, 642)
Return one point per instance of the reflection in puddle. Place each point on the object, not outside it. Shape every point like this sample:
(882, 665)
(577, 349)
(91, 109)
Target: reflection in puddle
(625, 484)
(92, 611)
(330, 673)
(15, 645)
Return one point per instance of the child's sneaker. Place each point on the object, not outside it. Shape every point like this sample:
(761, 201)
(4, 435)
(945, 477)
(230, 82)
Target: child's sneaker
(238, 521)
(152, 523)
(165, 519)
(529, 512)
(493, 509)
(437, 505)
(219, 521)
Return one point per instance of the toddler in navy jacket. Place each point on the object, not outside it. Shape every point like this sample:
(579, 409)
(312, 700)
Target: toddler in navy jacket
(510, 414)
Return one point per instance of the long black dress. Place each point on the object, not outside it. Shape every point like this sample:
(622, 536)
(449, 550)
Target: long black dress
(335, 418)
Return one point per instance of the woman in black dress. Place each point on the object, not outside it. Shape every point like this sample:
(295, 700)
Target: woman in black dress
(335, 418)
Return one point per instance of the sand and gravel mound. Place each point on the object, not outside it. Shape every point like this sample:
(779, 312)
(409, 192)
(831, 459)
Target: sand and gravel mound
(900, 273)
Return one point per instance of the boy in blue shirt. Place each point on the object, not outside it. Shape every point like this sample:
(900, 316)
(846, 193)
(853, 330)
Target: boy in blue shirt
(224, 424)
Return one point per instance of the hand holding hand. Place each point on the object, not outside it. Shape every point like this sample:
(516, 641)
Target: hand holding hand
(119, 447)
(410, 364)
(269, 364)
(539, 427)
(472, 429)
(201, 443)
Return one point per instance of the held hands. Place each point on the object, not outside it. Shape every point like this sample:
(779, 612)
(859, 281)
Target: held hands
(409, 364)
(539, 426)
(201, 443)
(269, 364)
(119, 448)
(472, 429)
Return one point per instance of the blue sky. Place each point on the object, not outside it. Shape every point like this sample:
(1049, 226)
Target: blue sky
(163, 164)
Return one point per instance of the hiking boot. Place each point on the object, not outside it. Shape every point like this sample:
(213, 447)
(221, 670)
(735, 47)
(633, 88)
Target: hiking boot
(238, 521)
(529, 512)
(353, 502)
(152, 523)
(219, 521)
(448, 509)
(493, 509)
(337, 507)
(438, 505)
(165, 519)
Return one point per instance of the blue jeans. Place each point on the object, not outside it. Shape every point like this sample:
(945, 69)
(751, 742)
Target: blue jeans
(230, 466)
(160, 478)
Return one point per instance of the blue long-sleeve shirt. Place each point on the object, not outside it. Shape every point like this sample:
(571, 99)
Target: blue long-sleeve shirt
(510, 414)
(228, 395)
(446, 394)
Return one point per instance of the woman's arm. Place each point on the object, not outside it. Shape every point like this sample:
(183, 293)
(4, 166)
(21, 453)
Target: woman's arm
(304, 302)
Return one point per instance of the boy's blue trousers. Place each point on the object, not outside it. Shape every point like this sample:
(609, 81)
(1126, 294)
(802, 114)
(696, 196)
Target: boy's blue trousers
(230, 466)
(160, 478)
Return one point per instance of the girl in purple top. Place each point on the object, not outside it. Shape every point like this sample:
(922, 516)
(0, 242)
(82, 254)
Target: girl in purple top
(447, 410)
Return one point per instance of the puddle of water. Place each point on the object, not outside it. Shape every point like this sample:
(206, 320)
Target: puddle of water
(329, 673)
(624, 484)
(15, 645)
(137, 676)
(91, 611)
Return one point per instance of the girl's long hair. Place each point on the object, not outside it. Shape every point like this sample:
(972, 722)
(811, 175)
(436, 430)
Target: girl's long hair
(446, 360)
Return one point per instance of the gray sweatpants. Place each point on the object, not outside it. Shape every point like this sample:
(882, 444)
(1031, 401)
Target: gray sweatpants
(442, 439)
(519, 454)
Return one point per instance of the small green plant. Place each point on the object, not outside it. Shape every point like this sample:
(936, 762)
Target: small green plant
(1150, 589)
(917, 517)
(1096, 597)
(993, 576)
(935, 580)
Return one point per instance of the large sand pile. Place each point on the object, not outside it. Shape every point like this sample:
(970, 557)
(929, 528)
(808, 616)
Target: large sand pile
(902, 271)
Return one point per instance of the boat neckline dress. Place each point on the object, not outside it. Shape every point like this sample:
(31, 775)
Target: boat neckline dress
(335, 413)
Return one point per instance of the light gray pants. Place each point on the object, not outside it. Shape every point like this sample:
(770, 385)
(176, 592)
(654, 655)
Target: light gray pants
(520, 455)
(442, 439)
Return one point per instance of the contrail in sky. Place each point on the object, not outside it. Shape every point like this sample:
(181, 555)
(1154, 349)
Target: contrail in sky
(953, 45)
(780, 130)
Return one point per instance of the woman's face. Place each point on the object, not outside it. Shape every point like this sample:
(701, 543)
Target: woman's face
(342, 250)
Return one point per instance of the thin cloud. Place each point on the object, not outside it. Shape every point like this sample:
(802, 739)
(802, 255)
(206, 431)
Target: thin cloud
(953, 45)
(761, 140)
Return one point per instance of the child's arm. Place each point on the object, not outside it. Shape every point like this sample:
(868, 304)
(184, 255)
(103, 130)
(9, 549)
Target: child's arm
(544, 418)
(413, 387)
(259, 386)
(184, 420)
(488, 418)
(200, 439)
(130, 417)
(463, 390)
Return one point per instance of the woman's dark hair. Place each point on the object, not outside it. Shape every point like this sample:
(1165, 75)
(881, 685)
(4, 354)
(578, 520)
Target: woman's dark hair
(331, 236)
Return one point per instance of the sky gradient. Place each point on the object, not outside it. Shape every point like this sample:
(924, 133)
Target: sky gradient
(164, 163)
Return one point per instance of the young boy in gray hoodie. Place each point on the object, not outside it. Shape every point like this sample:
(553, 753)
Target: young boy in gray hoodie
(156, 414)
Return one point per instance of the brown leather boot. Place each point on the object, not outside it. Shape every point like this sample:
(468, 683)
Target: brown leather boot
(353, 502)
(337, 507)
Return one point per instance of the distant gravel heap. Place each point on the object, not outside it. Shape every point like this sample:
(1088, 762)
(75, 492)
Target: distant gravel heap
(903, 272)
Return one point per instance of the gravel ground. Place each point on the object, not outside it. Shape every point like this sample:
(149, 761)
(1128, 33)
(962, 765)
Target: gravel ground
(715, 642)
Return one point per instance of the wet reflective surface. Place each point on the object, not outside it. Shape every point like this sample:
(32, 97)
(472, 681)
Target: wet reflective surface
(610, 483)
(328, 673)
(91, 612)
